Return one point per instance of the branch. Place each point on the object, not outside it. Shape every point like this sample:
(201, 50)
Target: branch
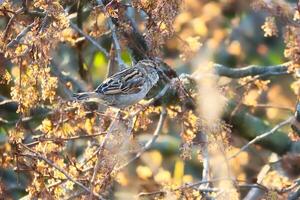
(78, 137)
(65, 78)
(51, 163)
(150, 142)
(199, 183)
(20, 35)
(136, 41)
(6, 101)
(295, 194)
(121, 63)
(100, 150)
(255, 193)
(248, 125)
(112, 66)
(89, 38)
(252, 70)
(267, 106)
(260, 137)
(205, 154)
(4, 35)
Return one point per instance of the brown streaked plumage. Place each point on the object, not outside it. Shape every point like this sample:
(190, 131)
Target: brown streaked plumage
(126, 87)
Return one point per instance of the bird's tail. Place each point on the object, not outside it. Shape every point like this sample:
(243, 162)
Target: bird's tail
(84, 96)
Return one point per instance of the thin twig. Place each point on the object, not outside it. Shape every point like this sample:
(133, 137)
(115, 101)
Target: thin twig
(205, 154)
(10, 20)
(196, 184)
(270, 106)
(100, 150)
(64, 139)
(117, 46)
(204, 190)
(150, 142)
(44, 23)
(20, 35)
(159, 95)
(89, 38)
(256, 139)
(291, 187)
(255, 193)
(36, 155)
(151, 101)
(77, 194)
(112, 67)
(4, 121)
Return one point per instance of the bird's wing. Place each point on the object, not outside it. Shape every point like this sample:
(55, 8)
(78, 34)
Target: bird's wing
(128, 81)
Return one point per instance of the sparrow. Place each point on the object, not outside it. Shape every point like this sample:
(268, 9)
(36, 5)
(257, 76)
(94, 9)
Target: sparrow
(126, 87)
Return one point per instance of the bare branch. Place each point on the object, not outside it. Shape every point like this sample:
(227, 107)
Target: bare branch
(112, 66)
(199, 183)
(10, 21)
(100, 149)
(7, 101)
(117, 46)
(64, 139)
(4, 121)
(256, 193)
(52, 164)
(205, 154)
(296, 194)
(252, 70)
(150, 142)
(89, 38)
(20, 35)
(256, 139)
(271, 106)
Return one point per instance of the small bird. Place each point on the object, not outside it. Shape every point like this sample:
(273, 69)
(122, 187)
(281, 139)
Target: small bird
(126, 87)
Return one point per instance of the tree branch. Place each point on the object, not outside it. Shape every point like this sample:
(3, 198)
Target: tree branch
(36, 155)
(89, 38)
(20, 35)
(150, 142)
(117, 46)
(100, 149)
(261, 136)
(205, 160)
(247, 125)
(252, 70)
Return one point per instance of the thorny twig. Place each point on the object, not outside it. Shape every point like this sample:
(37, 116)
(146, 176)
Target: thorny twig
(256, 139)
